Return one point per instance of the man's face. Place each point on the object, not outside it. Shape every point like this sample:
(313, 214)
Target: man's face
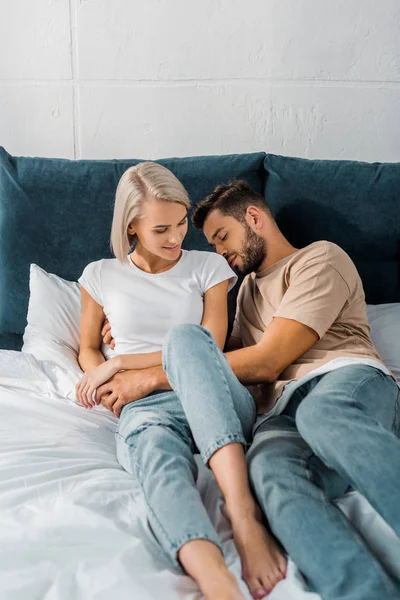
(242, 247)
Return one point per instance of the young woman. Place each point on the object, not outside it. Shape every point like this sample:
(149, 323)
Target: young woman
(144, 295)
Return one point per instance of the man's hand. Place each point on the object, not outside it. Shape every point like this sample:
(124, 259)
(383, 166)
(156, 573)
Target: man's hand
(127, 386)
(107, 335)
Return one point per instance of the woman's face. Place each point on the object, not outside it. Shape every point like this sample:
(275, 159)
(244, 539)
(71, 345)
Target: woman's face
(162, 228)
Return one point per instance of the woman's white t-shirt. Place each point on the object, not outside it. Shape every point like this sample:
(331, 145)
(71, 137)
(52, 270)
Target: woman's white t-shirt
(142, 307)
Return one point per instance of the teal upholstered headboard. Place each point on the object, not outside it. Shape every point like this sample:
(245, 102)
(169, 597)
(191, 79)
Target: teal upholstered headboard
(57, 213)
(354, 204)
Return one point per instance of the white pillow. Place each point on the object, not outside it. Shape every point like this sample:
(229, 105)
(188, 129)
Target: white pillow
(384, 320)
(54, 309)
(54, 312)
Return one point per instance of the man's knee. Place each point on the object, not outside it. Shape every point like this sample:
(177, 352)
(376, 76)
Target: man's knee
(267, 460)
(310, 415)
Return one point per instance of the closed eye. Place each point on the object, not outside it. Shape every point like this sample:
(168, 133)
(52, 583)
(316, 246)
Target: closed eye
(183, 222)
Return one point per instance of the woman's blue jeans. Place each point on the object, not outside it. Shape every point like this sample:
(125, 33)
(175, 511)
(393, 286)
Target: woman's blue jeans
(157, 436)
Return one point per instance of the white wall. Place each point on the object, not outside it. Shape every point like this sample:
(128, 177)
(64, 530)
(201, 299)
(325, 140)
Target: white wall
(154, 78)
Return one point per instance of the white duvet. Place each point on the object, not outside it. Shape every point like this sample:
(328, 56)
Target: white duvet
(72, 521)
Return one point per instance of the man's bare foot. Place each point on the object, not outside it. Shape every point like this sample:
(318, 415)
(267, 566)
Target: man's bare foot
(223, 588)
(263, 564)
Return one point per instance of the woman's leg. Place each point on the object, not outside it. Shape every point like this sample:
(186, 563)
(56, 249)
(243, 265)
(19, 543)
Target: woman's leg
(154, 444)
(221, 413)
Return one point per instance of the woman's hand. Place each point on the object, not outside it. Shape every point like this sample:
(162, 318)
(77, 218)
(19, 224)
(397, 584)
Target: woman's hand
(86, 388)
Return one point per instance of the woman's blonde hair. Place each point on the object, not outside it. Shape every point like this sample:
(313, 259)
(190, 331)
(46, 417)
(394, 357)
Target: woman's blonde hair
(138, 184)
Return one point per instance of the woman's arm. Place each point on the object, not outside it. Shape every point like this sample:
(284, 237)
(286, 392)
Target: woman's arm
(124, 362)
(97, 369)
(215, 313)
(92, 319)
(90, 356)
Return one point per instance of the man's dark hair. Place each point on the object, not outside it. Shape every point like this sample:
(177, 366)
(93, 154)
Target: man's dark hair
(231, 199)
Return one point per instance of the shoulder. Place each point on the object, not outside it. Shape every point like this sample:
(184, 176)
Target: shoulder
(199, 256)
(92, 268)
(204, 259)
(324, 259)
(320, 253)
(96, 268)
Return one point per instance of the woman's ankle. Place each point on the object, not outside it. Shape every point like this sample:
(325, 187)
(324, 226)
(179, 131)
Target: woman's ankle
(198, 556)
(204, 562)
(245, 508)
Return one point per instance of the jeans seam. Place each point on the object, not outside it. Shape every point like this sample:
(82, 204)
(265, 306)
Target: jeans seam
(214, 349)
(395, 422)
(305, 461)
(364, 382)
(223, 441)
(149, 508)
(194, 536)
(380, 374)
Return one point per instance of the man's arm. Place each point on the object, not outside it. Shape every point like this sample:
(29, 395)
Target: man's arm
(128, 386)
(315, 297)
(283, 342)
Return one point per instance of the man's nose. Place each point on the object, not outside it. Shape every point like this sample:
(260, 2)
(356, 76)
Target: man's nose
(221, 250)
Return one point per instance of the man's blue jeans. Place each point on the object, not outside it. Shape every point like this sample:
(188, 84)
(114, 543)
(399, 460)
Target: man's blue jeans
(157, 436)
(339, 430)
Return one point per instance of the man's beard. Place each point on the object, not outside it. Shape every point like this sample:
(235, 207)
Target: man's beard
(253, 253)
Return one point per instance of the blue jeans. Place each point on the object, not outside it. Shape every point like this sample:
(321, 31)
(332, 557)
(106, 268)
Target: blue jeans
(339, 430)
(157, 436)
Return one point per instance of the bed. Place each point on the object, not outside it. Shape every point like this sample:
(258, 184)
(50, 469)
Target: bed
(73, 524)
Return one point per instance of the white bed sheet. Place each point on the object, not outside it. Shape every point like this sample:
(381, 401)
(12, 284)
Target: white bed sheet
(72, 521)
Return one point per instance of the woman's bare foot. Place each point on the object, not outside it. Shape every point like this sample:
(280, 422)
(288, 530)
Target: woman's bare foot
(223, 588)
(263, 564)
(203, 561)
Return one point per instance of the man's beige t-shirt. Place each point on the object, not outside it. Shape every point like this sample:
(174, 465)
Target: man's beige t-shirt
(318, 286)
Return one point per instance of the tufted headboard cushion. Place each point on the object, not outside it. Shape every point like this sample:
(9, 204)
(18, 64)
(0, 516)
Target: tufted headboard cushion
(354, 204)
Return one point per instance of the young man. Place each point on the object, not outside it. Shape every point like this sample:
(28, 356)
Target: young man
(328, 407)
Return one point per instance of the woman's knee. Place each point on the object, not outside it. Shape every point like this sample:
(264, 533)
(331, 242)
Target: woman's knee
(183, 334)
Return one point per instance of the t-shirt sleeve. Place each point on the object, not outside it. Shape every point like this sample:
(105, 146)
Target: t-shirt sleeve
(316, 295)
(215, 270)
(236, 328)
(91, 281)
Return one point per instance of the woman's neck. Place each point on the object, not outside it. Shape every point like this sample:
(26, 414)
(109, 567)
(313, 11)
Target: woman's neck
(149, 262)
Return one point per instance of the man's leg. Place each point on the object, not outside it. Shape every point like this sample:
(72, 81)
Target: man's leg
(350, 420)
(287, 479)
(221, 413)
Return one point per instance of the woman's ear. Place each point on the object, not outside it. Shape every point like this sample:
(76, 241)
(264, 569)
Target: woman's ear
(131, 229)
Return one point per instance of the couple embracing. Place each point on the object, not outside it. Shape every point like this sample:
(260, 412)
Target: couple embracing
(294, 409)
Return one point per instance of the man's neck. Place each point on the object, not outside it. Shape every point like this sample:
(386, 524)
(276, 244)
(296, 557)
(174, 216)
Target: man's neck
(277, 248)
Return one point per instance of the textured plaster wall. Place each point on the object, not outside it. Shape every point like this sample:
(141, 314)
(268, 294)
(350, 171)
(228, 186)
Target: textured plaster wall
(123, 78)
